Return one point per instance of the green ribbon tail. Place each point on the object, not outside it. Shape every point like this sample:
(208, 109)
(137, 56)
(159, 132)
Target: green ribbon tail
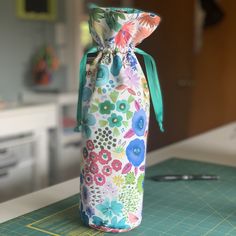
(154, 86)
(82, 81)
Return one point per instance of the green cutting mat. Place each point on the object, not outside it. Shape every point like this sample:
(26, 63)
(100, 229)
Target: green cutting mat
(174, 208)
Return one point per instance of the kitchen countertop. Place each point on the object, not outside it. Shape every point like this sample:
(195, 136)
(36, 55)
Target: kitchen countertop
(215, 146)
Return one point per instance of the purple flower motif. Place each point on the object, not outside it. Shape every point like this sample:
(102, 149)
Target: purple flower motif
(109, 189)
(139, 122)
(135, 152)
(131, 78)
(90, 211)
(85, 195)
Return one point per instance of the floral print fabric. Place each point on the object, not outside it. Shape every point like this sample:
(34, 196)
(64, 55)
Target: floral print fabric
(115, 121)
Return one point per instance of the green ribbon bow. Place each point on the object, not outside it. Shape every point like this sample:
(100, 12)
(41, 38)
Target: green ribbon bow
(153, 82)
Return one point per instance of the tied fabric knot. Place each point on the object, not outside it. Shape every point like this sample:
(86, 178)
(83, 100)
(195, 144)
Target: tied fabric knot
(106, 50)
(152, 77)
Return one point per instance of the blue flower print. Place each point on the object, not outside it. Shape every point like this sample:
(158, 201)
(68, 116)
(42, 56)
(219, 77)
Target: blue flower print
(135, 151)
(139, 122)
(83, 216)
(102, 75)
(87, 93)
(132, 60)
(116, 66)
(88, 120)
(99, 222)
(81, 179)
(109, 208)
(118, 225)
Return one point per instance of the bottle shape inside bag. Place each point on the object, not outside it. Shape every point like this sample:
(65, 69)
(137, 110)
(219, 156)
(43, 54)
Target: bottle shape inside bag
(113, 115)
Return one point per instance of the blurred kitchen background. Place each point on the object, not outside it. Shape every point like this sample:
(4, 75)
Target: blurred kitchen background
(41, 44)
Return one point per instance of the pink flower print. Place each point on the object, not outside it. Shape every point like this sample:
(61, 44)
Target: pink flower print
(143, 33)
(122, 39)
(93, 156)
(99, 179)
(132, 217)
(107, 170)
(131, 78)
(88, 179)
(147, 22)
(90, 145)
(149, 19)
(93, 168)
(104, 157)
(116, 165)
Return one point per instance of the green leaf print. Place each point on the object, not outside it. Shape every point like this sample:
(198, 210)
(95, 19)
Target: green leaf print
(129, 114)
(130, 99)
(119, 149)
(97, 100)
(97, 14)
(139, 186)
(116, 132)
(125, 123)
(130, 178)
(103, 123)
(93, 108)
(112, 21)
(114, 96)
(99, 91)
(121, 15)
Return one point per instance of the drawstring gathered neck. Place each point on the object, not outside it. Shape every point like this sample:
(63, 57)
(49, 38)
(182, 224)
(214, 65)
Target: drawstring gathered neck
(152, 77)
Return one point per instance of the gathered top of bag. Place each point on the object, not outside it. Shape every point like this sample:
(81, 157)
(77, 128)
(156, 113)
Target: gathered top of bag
(121, 28)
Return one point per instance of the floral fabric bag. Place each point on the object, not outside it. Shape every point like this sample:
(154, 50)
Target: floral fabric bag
(113, 115)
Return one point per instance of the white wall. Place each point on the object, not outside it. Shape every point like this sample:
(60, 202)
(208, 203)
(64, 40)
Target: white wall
(19, 40)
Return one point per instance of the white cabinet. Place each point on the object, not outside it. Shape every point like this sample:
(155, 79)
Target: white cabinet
(21, 126)
(64, 142)
(16, 179)
(69, 166)
(16, 166)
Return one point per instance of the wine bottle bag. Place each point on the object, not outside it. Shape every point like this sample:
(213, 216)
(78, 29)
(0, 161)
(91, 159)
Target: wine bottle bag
(113, 115)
